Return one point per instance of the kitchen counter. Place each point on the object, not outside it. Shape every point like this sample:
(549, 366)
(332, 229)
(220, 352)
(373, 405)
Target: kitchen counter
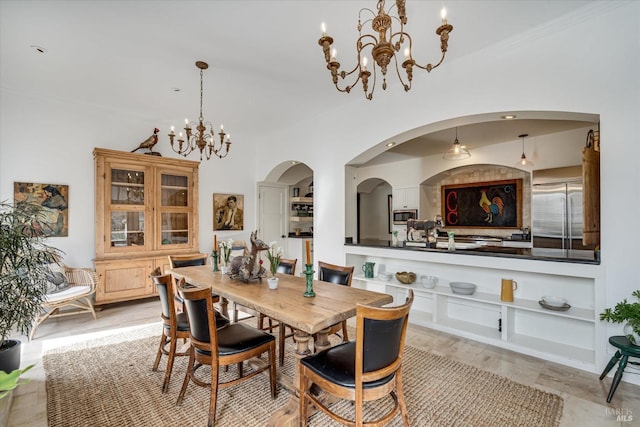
(542, 254)
(300, 236)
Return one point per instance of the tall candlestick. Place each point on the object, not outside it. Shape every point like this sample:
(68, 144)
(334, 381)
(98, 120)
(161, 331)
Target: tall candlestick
(308, 253)
(215, 242)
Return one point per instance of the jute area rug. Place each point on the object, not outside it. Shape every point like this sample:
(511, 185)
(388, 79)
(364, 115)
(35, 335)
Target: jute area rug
(109, 382)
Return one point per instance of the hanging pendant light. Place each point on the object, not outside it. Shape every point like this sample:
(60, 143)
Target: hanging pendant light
(457, 151)
(524, 162)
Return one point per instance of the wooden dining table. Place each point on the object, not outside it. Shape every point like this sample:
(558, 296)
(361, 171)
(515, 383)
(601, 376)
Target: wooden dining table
(309, 316)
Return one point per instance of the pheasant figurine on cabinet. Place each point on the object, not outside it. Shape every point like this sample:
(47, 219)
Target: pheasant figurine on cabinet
(149, 143)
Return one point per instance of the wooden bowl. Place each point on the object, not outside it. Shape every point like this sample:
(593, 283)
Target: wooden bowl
(406, 277)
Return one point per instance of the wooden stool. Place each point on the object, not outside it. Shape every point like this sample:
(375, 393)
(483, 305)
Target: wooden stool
(625, 349)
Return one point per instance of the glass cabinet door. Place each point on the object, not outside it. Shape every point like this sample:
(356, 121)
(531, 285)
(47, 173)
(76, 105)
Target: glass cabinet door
(175, 216)
(127, 228)
(126, 210)
(127, 187)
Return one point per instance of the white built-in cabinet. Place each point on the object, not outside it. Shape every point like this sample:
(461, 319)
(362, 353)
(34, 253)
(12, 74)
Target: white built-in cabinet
(572, 337)
(406, 198)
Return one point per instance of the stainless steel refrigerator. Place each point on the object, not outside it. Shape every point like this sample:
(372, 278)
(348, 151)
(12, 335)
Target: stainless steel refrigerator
(556, 219)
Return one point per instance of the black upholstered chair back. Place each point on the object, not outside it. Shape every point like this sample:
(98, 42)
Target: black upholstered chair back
(199, 306)
(177, 261)
(381, 342)
(382, 333)
(163, 284)
(287, 266)
(335, 273)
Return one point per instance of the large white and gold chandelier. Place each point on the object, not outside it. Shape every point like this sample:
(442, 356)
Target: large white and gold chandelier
(383, 49)
(205, 138)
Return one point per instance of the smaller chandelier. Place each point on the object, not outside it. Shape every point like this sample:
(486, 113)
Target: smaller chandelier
(383, 49)
(205, 138)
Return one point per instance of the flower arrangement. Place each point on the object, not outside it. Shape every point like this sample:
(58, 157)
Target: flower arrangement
(274, 253)
(225, 250)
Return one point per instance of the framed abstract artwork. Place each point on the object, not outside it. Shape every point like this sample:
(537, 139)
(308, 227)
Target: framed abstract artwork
(228, 212)
(53, 198)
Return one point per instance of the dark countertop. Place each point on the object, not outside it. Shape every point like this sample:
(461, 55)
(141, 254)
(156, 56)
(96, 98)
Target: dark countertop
(542, 254)
(300, 236)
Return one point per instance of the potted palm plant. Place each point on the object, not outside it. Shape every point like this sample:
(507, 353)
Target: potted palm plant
(627, 312)
(24, 261)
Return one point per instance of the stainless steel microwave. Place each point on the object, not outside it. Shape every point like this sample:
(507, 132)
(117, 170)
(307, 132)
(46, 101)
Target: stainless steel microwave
(400, 216)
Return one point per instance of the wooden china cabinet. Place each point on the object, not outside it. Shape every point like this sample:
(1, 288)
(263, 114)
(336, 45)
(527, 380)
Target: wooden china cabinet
(146, 209)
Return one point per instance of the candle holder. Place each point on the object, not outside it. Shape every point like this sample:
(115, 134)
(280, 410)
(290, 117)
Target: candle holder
(214, 255)
(309, 273)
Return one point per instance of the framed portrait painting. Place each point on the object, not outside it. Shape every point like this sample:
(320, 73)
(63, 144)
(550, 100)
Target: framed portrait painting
(53, 198)
(228, 212)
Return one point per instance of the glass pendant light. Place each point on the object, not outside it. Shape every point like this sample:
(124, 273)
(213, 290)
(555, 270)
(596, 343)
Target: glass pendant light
(524, 162)
(457, 151)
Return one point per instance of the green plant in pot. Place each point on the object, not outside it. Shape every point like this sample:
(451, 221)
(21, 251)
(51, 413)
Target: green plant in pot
(628, 312)
(24, 269)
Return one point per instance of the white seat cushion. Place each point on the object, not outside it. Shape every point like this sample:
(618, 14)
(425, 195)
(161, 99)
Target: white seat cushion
(70, 292)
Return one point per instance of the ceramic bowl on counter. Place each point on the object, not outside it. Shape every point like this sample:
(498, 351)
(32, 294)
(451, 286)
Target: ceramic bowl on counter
(406, 277)
(554, 301)
(429, 282)
(385, 276)
(463, 288)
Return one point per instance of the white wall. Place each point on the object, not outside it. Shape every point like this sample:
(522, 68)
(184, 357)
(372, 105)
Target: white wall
(587, 63)
(49, 141)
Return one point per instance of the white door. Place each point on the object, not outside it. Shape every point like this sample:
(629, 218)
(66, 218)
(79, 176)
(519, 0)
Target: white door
(272, 213)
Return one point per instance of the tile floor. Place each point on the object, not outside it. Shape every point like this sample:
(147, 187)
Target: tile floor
(584, 395)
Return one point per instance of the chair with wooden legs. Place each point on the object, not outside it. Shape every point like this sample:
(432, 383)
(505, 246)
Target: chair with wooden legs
(232, 344)
(361, 374)
(80, 284)
(340, 275)
(174, 326)
(286, 266)
(178, 261)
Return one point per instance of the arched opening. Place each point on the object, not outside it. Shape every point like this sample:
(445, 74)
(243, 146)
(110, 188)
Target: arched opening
(285, 208)
(412, 164)
(374, 210)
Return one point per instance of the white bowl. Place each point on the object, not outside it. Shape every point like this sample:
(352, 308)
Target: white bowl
(385, 276)
(429, 282)
(554, 301)
(463, 288)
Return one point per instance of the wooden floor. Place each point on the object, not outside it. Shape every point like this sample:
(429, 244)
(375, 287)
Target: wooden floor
(584, 395)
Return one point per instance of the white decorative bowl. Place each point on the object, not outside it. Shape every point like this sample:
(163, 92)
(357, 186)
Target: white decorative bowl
(554, 301)
(385, 276)
(429, 282)
(463, 288)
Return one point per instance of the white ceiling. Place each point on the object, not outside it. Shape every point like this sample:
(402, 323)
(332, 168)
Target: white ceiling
(266, 67)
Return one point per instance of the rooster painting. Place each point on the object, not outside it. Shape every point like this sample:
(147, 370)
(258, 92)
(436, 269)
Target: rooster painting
(492, 207)
(149, 142)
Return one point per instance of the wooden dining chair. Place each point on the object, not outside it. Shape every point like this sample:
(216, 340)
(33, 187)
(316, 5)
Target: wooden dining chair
(363, 370)
(174, 326)
(189, 260)
(232, 344)
(340, 275)
(178, 261)
(286, 266)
